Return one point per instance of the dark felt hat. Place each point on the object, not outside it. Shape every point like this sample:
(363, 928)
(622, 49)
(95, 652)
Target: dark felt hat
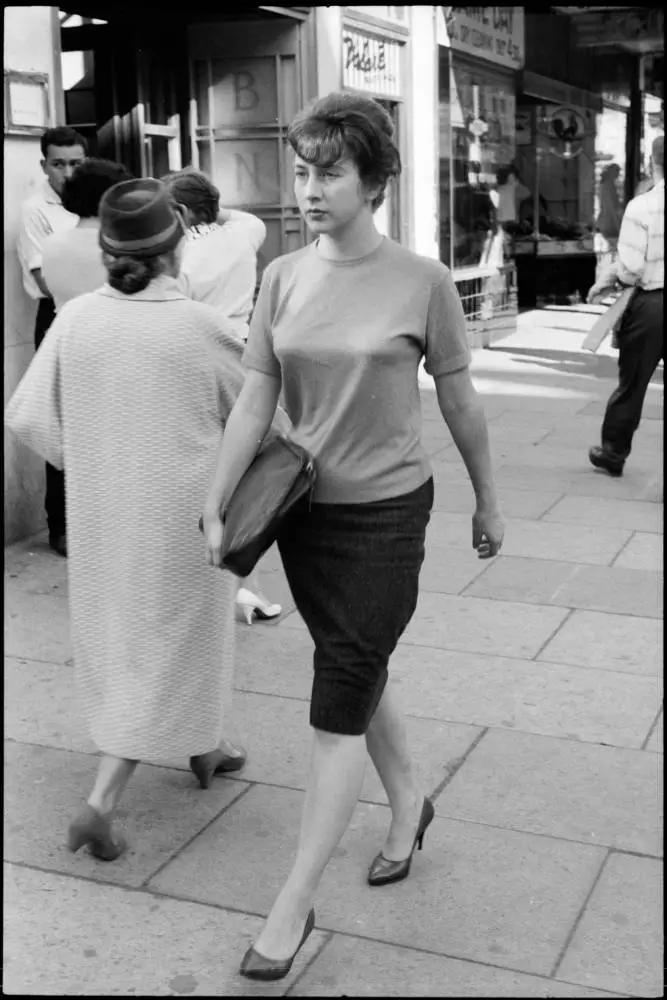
(138, 218)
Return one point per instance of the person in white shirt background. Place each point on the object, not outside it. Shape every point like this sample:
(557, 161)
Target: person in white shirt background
(219, 267)
(43, 214)
(639, 264)
(72, 260)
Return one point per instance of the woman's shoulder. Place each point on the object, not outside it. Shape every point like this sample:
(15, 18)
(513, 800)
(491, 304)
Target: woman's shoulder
(425, 268)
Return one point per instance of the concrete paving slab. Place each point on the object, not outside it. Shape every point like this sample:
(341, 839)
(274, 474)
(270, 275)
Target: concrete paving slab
(274, 661)
(585, 482)
(352, 967)
(619, 943)
(652, 410)
(643, 551)
(505, 437)
(656, 743)
(562, 458)
(474, 892)
(448, 570)
(37, 570)
(41, 706)
(563, 542)
(161, 811)
(35, 623)
(608, 642)
(633, 515)
(613, 589)
(535, 581)
(277, 735)
(560, 788)
(459, 498)
(595, 706)
(501, 628)
(70, 937)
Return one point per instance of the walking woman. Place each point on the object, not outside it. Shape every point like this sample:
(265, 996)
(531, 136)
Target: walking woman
(129, 394)
(341, 327)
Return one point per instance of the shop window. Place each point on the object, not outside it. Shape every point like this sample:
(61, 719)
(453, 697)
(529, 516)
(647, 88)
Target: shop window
(477, 150)
(558, 168)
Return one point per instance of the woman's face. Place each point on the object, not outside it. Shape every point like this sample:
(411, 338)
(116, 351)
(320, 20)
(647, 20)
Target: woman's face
(329, 198)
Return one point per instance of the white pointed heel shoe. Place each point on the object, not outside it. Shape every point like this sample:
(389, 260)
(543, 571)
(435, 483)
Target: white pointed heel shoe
(251, 605)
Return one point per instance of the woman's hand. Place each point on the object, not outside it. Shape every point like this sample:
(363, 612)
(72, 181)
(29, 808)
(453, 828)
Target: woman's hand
(213, 533)
(488, 531)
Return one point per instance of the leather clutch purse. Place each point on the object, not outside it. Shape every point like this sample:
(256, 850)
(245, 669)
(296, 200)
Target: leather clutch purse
(279, 475)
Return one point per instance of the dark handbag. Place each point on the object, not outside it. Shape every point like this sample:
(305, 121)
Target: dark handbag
(279, 475)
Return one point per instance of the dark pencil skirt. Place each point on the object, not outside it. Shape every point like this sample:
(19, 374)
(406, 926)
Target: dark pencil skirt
(354, 573)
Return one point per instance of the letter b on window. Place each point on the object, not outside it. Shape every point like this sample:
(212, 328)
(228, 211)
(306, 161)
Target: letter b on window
(245, 96)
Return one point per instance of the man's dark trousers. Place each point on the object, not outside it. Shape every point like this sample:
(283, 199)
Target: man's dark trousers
(640, 344)
(54, 501)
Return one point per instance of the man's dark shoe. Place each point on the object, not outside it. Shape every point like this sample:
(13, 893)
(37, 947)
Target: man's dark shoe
(603, 459)
(59, 544)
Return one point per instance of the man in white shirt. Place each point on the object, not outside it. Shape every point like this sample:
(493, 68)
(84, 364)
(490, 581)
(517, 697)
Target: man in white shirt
(640, 263)
(219, 264)
(43, 214)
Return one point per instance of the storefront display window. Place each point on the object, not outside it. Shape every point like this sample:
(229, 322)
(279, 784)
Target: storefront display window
(477, 152)
(558, 167)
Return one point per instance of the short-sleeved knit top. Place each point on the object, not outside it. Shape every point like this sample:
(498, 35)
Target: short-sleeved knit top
(346, 337)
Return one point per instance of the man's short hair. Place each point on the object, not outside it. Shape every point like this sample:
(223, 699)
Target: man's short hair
(82, 192)
(61, 136)
(658, 151)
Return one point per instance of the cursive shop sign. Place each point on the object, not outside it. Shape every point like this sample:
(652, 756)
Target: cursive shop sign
(371, 63)
(492, 33)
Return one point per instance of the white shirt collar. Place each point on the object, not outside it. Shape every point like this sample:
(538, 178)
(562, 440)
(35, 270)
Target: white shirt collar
(50, 196)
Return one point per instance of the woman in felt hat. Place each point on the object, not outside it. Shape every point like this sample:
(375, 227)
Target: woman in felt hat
(129, 394)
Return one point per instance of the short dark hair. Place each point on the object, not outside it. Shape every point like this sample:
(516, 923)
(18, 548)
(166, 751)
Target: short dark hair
(82, 192)
(341, 125)
(193, 189)
(61, 136)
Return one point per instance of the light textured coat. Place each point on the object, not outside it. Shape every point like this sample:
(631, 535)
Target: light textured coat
(130, 395)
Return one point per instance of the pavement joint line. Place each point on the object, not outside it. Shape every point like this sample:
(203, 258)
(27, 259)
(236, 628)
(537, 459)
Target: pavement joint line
(486, 565)
(652, 728)
(413, 645)
(551, 506)
(533, 659)
(574, 572)
(156, 894)
(549, 603)
(177, 853)
(549, 836)
(329, 936)
(577, 920)
(623, 547)
(17, 741)
(457, 764)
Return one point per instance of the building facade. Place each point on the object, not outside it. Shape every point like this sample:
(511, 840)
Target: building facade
(212, 87)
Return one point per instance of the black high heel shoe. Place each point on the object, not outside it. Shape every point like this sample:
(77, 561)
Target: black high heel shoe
(383, 872)
(205, 765)
(258, 966)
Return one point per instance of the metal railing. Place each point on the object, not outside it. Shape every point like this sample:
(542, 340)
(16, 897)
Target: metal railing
(489, 298)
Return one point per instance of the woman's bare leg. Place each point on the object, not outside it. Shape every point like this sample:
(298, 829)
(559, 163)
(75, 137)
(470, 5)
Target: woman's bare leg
(113, 775)
(387, 742)
(334, 783)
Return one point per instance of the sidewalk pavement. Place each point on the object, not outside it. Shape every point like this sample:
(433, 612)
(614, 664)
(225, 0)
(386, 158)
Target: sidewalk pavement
(532, 687)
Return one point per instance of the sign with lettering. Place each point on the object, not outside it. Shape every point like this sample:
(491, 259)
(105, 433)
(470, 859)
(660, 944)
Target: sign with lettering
(371, 63)
(492, 33)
